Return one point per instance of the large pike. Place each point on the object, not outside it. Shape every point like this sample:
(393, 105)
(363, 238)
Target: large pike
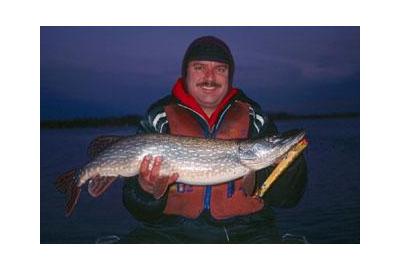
(198, 161)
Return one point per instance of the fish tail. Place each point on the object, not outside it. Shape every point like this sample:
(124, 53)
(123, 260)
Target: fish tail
(66, 183)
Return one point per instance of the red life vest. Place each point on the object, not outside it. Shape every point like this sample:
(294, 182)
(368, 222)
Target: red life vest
(188, 201)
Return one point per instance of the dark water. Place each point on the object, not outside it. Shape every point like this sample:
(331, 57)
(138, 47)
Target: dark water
(329, 212)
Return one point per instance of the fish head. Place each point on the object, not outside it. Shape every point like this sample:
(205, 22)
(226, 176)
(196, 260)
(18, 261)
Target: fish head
(261, 153)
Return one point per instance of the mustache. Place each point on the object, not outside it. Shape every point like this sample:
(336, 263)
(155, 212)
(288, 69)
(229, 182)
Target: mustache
(208, 84)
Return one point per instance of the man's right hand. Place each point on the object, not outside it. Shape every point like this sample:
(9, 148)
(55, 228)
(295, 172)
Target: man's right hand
(150, 179)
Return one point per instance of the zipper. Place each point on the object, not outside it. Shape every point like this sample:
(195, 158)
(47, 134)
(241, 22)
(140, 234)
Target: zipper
(216, 126)
(205, 120)
(211, 130)
(210, 134)
(207, 198)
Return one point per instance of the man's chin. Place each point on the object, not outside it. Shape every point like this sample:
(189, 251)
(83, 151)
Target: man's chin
(208, 104)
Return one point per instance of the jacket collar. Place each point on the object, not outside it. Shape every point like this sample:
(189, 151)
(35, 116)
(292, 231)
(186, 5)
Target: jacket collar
(186, 99)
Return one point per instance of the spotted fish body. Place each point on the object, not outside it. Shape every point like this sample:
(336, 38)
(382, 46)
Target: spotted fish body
(198, 161)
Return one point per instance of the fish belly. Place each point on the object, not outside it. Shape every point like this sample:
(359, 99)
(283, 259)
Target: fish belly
(207, 165)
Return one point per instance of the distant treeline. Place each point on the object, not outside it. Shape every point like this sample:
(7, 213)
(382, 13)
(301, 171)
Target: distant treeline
(286, 116)
(128, 120)
(134, 120)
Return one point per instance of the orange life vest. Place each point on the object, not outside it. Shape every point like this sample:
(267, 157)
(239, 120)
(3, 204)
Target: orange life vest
(225, 200)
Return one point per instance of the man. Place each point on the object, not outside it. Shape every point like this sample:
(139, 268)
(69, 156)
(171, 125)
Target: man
(204, 104)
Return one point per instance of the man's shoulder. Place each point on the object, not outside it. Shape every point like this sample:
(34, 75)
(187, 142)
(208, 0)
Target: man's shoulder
(155, 119)
(260, 123)
(159, 105)
(255, 109)
(241, 96)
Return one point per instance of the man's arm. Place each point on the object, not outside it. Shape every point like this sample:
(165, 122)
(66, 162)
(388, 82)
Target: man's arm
(288, 189)
(290, 185)
(140, 203)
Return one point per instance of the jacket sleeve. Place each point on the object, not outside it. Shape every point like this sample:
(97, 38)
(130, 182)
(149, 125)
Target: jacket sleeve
(142, 205)
(289, 188)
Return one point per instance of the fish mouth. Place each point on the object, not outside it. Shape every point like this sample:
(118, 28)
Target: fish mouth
(269, 150)
(294, 136)
(289, 140)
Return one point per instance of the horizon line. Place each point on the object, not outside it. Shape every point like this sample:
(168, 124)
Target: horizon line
(134, 119)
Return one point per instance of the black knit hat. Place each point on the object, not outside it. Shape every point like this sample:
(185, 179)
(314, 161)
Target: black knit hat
(209, 48)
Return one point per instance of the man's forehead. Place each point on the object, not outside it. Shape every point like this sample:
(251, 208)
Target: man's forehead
(205, 62)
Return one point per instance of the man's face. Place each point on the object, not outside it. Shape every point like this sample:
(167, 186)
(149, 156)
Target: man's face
(208, 83)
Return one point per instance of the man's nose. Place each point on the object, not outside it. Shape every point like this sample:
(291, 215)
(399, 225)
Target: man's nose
(209, 74)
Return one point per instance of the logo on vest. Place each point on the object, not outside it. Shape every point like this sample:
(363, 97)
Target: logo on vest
(182, 188)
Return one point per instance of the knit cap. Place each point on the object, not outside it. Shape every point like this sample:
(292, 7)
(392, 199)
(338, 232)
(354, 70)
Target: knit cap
(209, 48)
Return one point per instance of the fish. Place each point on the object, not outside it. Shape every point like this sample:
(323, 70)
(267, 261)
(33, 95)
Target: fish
(198, 161)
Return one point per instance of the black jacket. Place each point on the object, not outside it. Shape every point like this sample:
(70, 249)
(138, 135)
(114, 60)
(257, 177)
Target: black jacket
(286, 192)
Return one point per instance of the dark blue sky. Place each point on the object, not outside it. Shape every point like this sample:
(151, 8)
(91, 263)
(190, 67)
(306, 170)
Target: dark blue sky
(114, 71)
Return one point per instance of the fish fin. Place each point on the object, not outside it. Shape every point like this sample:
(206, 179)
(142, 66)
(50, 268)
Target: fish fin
(66, 183)
(101, 143)
(72, 199)
(63, 181)
(99, 184)
(249, 183)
